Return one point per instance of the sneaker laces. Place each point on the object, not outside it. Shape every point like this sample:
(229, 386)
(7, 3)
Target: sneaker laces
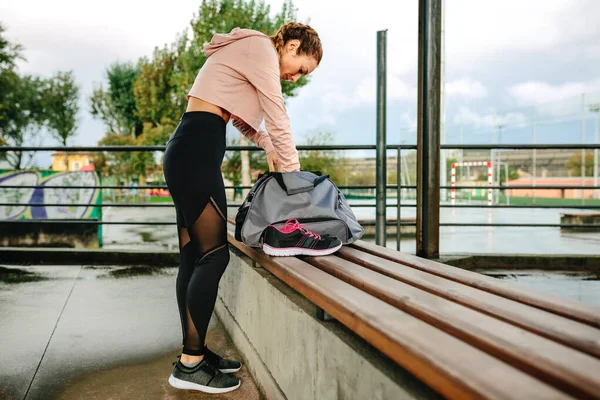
(293, 224)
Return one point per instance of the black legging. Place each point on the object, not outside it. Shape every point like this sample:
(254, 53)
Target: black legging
(192, 170)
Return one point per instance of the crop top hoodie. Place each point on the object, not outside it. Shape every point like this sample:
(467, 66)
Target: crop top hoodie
(241, 75)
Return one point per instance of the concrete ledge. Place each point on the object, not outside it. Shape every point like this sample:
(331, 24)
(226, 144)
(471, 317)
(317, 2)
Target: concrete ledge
(292, 354)
(581, 219)
(37, 256)
(521, 262)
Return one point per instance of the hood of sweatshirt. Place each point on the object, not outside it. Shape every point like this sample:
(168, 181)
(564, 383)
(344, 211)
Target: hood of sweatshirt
(221, 40)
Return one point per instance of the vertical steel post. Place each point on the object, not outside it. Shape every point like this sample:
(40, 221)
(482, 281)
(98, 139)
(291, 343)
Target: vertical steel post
(381, 173)
(398, 198)
(596, 156)
(582, 150)
(534, 173)
(428, 131)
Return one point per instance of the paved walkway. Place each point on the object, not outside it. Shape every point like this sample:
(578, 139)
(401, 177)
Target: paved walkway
(84, 332)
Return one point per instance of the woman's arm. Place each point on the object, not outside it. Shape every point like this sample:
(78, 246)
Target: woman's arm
(263, 74)
(259, 138)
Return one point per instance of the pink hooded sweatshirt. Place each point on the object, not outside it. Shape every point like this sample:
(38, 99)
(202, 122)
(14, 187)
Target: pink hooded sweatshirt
(241, 75)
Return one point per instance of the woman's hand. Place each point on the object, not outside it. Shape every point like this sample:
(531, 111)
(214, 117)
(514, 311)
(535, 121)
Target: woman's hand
(272, 160)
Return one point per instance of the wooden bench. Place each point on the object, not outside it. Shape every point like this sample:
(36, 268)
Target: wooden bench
(466, 335)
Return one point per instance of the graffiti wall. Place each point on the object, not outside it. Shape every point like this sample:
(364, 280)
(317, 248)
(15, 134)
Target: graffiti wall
(85, 197)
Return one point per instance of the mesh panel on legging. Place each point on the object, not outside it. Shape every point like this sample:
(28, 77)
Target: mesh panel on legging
(204, 257)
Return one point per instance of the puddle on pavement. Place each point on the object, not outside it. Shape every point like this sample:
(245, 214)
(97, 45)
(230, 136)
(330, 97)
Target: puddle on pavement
(134, 271)
(119, 272)
(15, 275)
(582, 286)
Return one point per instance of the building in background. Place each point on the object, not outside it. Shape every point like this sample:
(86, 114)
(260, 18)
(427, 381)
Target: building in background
(79, 161)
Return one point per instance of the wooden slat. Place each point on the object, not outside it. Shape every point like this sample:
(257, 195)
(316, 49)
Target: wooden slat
(447, 364)
(568, 332)
(578, 311)
(570, 370)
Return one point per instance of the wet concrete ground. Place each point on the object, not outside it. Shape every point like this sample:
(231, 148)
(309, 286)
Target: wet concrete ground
(82, 332)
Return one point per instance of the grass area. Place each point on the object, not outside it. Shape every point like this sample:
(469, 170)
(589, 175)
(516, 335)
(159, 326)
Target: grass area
(159, 199)
(540, 201)
(550, 202)
(152, 199)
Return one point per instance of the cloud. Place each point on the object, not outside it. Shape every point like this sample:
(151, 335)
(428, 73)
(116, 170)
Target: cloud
(409, 121)
(366, 92)
(476, 30)
(336, 98)
(466, 116)
(536, 92)
(466, 88)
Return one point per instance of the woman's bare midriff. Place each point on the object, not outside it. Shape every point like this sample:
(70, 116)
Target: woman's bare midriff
(196, 104)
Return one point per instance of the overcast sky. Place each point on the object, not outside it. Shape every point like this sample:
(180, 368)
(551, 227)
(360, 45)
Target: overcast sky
(501, 57)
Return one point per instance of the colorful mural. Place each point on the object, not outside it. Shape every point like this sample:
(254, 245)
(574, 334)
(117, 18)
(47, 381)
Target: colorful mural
(28, 197)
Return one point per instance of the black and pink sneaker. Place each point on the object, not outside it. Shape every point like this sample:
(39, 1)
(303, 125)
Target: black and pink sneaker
(293, 240)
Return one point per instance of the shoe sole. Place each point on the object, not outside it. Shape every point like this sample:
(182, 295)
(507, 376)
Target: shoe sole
(181, 384)
(298, 251)
(230, 371)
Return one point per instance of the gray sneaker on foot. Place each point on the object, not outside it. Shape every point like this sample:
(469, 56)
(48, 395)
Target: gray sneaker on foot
(224, 365)
(203, 377)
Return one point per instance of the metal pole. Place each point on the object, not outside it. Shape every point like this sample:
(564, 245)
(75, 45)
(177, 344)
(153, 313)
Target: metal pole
(469, 177)
(506, 184)
(245, 157)
(398, 198)
(596, 160)
(582, 150)
(428, 129)
(534, 151)
(595, 108)
(381, 174)
(443, 135)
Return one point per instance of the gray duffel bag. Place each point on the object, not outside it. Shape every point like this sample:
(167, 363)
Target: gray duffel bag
(313, 199)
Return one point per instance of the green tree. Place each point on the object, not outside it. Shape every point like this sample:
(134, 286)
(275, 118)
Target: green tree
(29, 103)
(9, 52)
(9, 84)
(116, 106)
(512, 175)
(574, 164)
(60, 101)
(324, 161)
(22, 114)
(155, 91)
(122, 164)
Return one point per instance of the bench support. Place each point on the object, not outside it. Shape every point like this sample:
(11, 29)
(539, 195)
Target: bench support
(323, 316)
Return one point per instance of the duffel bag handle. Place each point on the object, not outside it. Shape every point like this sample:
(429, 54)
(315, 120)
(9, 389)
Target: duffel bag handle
(298, 185)
(320, 179)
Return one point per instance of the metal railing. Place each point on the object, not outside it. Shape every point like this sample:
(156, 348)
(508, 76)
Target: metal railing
(389, 187)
